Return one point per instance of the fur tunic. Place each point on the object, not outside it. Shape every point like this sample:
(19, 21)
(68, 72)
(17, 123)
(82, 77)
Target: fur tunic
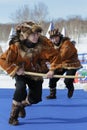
(33, 59)
(69, 56)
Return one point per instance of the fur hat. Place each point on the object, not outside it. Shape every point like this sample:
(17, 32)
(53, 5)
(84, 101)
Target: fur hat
(54, 32)
(26, 28)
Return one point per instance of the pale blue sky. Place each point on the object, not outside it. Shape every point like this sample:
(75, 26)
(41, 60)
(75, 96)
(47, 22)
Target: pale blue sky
(56, 8)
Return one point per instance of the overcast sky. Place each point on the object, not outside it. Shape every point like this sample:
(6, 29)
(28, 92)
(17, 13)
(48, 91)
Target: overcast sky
(56, 8)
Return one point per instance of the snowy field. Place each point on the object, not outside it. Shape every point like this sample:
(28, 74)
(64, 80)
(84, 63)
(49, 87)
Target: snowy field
(82, 48)
(8, 82)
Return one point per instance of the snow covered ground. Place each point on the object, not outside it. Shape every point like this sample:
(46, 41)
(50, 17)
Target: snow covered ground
(8, 82)
(82, 48)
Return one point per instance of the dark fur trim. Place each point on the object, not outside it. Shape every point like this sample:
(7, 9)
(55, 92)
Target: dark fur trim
(27, 28)
(54, 32)
(64, 39)
(14, 40)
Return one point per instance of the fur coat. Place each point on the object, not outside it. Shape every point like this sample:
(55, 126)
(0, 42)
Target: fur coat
(33, 59)
(69, 55)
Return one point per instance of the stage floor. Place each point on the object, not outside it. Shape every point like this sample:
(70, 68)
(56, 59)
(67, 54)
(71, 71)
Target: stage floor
(58, 114)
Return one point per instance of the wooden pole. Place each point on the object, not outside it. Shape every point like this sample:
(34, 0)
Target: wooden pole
(55, 76)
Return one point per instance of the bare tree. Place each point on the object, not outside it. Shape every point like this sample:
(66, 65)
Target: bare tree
(4, 31)
(21, 15)
(39, 12)
(75, 26)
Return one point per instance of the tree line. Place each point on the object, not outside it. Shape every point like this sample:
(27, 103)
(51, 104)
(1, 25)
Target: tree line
(39, 13)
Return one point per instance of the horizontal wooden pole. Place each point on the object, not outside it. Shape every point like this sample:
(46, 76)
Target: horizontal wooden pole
(55, 76)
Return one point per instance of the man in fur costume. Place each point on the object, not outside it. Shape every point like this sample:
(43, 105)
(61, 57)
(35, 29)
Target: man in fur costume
(70, 63)
(28, 51)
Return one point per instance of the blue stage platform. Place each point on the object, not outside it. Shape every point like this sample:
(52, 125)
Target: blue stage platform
(58, 114)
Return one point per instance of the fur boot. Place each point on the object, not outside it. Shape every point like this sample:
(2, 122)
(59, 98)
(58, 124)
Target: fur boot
(22, 112)
(52, 94)
(70, 92)
(13, 120)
